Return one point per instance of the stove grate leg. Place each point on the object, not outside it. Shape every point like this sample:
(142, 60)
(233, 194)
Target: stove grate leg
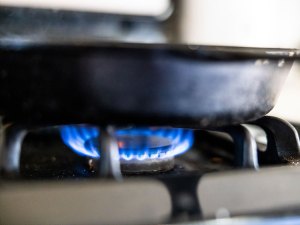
(245, 147)
(11, 138)
(109, 163)
(282, 141)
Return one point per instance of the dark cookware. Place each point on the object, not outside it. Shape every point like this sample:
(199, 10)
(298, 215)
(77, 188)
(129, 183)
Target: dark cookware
(190, 86)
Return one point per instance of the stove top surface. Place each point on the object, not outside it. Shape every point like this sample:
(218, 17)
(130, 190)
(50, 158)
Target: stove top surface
(209, 181)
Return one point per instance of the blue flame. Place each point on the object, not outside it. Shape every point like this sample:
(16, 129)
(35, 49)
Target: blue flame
(169, 142)
(76, 136)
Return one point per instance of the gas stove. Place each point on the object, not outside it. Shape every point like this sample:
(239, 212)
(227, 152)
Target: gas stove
(113, 115)
(65, 177)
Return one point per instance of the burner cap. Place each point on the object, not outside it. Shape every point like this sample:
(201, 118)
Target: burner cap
(147, 166)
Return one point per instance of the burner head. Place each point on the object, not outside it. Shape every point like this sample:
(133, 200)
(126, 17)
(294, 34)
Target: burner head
(147, 165)
(140, 149)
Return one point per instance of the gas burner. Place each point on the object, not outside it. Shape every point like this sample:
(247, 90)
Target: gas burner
(190, 188)
(141, 150)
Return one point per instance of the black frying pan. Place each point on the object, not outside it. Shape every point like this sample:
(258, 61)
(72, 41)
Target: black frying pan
(140, 84)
